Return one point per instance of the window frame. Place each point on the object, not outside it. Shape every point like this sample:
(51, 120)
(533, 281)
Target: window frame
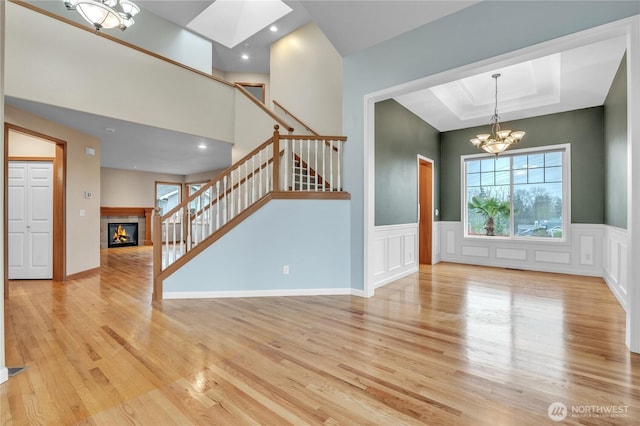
(565, 148)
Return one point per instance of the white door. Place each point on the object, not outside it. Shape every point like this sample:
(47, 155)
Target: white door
(30, 224)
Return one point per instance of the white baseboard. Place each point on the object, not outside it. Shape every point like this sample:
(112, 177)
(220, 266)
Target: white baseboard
(4, 374)
(403, 273)
(261, 293)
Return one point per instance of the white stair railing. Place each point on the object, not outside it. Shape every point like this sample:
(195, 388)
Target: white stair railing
(281, 164)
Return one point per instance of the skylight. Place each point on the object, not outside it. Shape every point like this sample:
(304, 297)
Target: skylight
(230, 22)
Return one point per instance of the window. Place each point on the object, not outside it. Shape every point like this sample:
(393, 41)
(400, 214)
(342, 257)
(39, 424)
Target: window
(522, 194)
(201, 201)
(167, 196)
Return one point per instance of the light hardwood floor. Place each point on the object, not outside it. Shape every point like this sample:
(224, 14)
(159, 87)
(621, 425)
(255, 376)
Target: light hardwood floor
(450, 345)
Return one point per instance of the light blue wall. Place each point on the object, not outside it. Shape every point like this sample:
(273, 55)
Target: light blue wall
(460, 39)
(311, 236)
(152, 33)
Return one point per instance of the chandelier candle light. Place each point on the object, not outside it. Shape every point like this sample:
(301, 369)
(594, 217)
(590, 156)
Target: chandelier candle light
(106, 14)
(499, 139)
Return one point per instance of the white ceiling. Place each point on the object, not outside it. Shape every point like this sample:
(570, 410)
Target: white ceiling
(350, 25)
(565, 81)
(569, 80)
(130, 145)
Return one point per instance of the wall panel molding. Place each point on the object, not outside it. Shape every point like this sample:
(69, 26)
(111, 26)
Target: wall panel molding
(581, 254)
(395, 252)
(615, 248)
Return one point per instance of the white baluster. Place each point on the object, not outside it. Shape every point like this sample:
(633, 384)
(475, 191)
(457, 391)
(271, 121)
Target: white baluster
(315, 162)
(339, 188)
(285, 162)
(308, 145)
(224, 207)
(260, 174)
(331, 161)
(188, 225)
(240, 195)
(324, 173)
(300, 169)
(210, 230)
(201, 217)
(218, 201)
(166, 243)
(268, 168)
(293, 165)
(253, 179)
(174, 237)
(231, 196)
(246, 184)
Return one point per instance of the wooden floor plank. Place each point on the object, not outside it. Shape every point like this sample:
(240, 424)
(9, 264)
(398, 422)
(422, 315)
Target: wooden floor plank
(449, 345)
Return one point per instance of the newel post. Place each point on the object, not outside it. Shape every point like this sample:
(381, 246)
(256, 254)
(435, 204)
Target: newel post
(276, 158)
(157, 255)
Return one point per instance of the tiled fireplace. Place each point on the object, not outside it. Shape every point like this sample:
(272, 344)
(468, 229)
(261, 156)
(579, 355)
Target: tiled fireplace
(141, 216)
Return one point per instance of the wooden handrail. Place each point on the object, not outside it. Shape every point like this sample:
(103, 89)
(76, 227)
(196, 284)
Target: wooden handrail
(245, 158)
(313, 138)
(263, 107)
(276, 103)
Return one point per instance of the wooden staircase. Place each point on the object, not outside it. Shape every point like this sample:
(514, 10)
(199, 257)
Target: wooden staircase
(283, 167)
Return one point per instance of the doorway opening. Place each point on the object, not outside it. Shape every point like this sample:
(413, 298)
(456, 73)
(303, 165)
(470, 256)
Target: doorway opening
(58, 196)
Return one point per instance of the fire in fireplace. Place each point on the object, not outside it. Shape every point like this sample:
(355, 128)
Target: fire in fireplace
(123, 234)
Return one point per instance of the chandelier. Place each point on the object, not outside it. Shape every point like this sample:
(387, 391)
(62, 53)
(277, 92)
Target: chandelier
(106, 14)
(499, 139)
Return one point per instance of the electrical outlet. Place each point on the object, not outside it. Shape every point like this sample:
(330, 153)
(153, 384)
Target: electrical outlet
(285, 269)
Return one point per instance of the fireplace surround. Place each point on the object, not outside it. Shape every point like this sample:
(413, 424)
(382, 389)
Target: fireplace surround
(140, 215)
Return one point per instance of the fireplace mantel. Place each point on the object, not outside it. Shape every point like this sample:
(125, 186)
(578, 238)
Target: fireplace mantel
(146, 212)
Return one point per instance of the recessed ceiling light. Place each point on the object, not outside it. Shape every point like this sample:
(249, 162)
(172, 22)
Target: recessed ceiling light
(273, 28)
(202, 145)
(245, 56)
(110, 130)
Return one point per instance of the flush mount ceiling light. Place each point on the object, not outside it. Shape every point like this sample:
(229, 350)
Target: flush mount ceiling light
(106, 14)
(499, 139)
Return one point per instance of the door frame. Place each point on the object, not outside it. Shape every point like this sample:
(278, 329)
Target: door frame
(59, 253)
(425, 227)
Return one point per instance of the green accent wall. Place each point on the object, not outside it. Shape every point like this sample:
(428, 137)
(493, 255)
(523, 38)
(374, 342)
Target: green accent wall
(615, 150)
(400, 136)
(583, 129)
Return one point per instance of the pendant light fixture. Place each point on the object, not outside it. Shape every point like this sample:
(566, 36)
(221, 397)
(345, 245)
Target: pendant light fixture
(105, 14)
(499, 139)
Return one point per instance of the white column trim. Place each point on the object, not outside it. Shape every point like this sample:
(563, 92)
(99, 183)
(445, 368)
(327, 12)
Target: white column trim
(633, 188)
(4, 373)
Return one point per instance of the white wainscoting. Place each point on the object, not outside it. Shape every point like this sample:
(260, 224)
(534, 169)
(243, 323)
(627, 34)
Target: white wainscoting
(591, 250)
(395, 252)
(615, 249)
(581, 254)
